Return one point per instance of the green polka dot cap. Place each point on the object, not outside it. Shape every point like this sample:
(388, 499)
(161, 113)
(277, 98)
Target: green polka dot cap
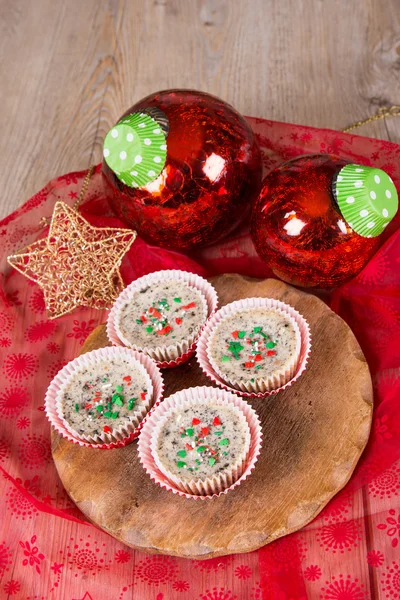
(367, 198)
(136, 149)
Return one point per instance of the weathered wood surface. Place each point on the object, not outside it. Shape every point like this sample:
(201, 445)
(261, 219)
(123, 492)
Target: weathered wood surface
(69, 69)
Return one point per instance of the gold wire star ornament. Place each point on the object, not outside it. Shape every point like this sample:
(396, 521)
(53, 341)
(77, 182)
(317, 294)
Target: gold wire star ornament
(77, 264)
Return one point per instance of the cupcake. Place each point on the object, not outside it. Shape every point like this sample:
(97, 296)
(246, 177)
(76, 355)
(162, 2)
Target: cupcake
(254, 345)
(103, 396)
(200, 441)
(162, 314)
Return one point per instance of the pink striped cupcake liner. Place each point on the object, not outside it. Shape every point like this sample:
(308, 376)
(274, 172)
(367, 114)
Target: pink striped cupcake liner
(175, 354)
(123, 435)
(185, 398)
(256, 388)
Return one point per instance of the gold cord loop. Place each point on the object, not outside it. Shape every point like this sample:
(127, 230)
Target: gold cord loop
(384, 111)
(84, 187)
(45, 221)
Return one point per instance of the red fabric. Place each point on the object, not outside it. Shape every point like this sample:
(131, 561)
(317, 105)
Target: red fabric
(47, 550)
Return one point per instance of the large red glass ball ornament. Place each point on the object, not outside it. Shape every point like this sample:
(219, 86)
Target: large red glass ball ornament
(298, 229)
(211, 176)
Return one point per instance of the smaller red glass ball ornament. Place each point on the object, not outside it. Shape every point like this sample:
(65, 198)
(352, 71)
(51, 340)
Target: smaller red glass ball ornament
(298, 229)
(210, 179)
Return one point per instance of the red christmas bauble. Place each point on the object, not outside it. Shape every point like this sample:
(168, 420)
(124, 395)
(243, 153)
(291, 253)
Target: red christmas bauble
(211, 176)
(298, 229)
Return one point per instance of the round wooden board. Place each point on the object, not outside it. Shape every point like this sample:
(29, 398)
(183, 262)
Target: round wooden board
(314, 433)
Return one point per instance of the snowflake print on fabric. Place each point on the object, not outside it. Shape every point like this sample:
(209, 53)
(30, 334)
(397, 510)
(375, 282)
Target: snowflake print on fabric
(31, 485)
(256, 592)
(384, 381)
(338, 507)
(217, 594)
(374, 271)
(5, 559)
(306, 137)
(56, 568)
(53, 348)
(20, 366)
(312, 573)
(40, 331)
(121, 556)
(12, 587)
(80, 331)
(383, 342)
(391, 581)
(89, 557)
(243, 572)
(370, 469)
(375, 558)
(180, 586)
(35, 201)
(156, 570)
(19, 504)
(381, 313)
(55, 367)
(36, 302)
(386, 484)
(68, 178)
(382, 428)
(339, 536)
(5, 342)
(12, 401)
(392, 527)
(12, 299)
(6, 322)
(287, 552)
(4, 449)
(23, 423)
(20, 233)
(212, 564)
(34, 451)
(389, 168)
(34, 557)
(342, 588)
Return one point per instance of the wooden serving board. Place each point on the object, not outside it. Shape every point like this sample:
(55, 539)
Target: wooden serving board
(314, 433)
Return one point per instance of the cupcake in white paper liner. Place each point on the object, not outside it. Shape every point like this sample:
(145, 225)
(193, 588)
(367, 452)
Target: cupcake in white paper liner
(200, 442)
(162, 315)
(257, 346)
(101, 398)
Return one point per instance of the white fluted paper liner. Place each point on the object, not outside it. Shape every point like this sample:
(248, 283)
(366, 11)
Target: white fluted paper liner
(126, 432)
(170, 355)
(210, 488)
(259, 387)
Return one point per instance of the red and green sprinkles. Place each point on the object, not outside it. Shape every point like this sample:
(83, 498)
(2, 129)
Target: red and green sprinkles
(156, 320)
(107, 399)
(261, 348)
(204, 441)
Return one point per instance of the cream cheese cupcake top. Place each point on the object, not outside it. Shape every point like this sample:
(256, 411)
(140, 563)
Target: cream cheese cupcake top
(253, 344)
(201, 441)
(105, 396)
(165, 313)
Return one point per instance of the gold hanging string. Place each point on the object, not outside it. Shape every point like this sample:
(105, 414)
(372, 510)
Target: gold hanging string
(384, 111)
(46, 220)
(84, 187)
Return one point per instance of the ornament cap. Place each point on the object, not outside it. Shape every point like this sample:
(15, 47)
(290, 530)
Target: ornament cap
(367, 198)
(135, 149)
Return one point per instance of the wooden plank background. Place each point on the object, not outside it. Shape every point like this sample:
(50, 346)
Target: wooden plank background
(69, 68)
